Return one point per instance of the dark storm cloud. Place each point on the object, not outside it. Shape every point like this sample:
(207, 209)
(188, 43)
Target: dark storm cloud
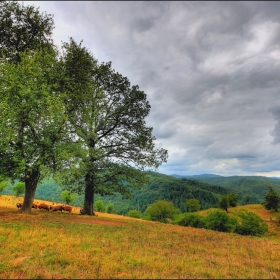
(209, 69)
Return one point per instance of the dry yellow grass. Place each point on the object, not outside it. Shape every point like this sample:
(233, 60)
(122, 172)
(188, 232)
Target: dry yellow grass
(63, 245)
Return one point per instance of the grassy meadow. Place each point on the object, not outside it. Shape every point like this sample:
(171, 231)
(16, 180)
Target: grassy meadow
(68, 245)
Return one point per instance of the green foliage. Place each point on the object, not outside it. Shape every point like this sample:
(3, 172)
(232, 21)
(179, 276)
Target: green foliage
(250, 224)
(193, 205)
(19, 188)
(134, 214)
(161, 211)
(220, 221)
(272, 200)
(191, 219)
(3, 185)
(110, 208)
(99, 205)
(67, 196)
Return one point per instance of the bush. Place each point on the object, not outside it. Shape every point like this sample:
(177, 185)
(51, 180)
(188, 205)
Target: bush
(110, 208)
(134, 214)
(4, 185)
(251, 224)
(67, 196)
(220, 221)
(161, 211)
(191, 219)
(99, 205)
(19, 188)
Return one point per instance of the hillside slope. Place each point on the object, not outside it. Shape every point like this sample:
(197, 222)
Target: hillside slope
(112, 246)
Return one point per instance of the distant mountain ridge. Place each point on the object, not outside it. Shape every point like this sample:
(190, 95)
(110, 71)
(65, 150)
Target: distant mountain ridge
(196, 176)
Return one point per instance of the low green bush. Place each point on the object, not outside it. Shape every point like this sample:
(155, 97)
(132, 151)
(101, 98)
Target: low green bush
(134, 214)
(250, 224)
(191, 219)
(162, 211)
(220, 221)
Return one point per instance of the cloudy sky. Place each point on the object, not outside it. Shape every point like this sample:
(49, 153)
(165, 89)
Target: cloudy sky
(211, 71)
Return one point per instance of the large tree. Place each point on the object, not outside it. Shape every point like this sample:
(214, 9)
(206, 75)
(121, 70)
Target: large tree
(32, 115)
(107, 116)
(31, 122)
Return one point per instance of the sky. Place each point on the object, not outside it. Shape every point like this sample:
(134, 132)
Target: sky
(210, 71)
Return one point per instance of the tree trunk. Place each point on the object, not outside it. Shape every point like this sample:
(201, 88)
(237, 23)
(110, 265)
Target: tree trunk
(89, 196)
(31, 181)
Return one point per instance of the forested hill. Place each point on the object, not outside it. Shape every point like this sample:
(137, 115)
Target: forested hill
(208, 190)
(251, 188)
(160, 187)
(163, 187)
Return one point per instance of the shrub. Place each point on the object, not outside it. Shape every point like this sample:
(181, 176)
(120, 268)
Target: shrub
(99, 205)
(4, 185)
(19, 188)
(191, 219)
(251, 224)
(67, 196)
(110, 208)
(134, 214)
(161, 211)
(220, 221)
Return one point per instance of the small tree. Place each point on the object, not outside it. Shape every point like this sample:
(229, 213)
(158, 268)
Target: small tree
(99, 205)
(161, 211)
(229, 200)
(223, 203)
(134, 214)
(272, 200)
(232, 199)
(193, 205)
(19, 188)
(67, 196)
